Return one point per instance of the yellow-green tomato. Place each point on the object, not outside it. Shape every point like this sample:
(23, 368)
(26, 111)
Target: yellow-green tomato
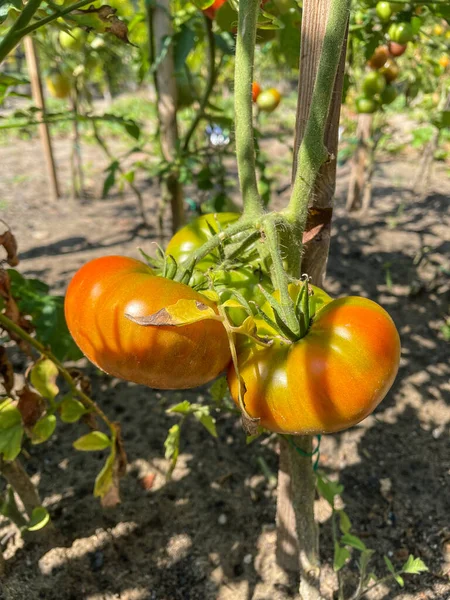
(268, 100)
(373, 83)
(72, 40)
(366, 105)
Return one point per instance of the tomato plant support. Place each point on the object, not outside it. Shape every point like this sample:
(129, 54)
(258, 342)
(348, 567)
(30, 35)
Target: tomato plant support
(38, 97)
(160, 30)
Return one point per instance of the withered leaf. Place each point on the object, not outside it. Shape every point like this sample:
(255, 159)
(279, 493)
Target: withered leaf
(6, 371)
(183, 312)
(319, 220)
(31, 406)
(103, 19)
(9, 243)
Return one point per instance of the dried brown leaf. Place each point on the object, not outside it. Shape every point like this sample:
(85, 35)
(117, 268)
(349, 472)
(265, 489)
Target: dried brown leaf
(6, 371)
(31, 406)
(9, 243)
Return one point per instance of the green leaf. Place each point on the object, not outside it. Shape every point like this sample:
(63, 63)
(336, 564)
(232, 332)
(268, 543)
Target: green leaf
(365, 558)
(352, 540)
(414, 565)
(110, 179)
(39, 519)
(328, 489)
(43, 377)
(11, 442)
(341, 554)
(207, 421)
(202, 4)
(96, 440)
(9, 414)
(105, 478)
(71, 410)
(391, 569)
(183, 408)
(219, 389)
(344, 522)
(43, 429)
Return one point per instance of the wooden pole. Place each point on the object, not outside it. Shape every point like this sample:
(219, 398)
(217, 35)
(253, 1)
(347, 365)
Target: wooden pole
(38, 98)
(297, 535)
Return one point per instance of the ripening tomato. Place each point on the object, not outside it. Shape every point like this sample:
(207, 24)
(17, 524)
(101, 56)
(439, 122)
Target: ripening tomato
(379, 57)
(99, 296)
(402, 33)
(390, 71)
(330, 379)
(58, 85)
(384, 11)
(195, 234)
(211, 10)
(444, 61)
(396, 49)
(438, 29)
(256, 90)
(373, 83)
(366, 105)
(268, 100)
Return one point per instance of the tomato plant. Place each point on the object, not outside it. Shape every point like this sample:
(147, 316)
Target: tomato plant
(105, 290)
(330, 379)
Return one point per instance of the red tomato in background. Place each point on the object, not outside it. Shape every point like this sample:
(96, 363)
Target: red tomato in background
(330, 379)
(99, 296)
(256, 90)
(211, 10)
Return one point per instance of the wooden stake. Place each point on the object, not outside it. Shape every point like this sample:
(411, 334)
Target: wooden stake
(38, 98)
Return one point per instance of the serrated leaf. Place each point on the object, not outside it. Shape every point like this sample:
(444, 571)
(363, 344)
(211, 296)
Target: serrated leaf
(43, 429)
(219, 389)
(183, 408)
(344, 522)
(391, 569)
(39, 519)
(329, 489)
(184, 312)
(95, 440)
(105, 478)
(414, 565)
(352, 540)
(341, 554)
(71, 410)
(207, 421)
(43, 377)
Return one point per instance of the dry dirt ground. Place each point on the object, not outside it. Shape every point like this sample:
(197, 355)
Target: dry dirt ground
(209, 533)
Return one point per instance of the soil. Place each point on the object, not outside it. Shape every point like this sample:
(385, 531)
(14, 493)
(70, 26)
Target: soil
(209, 532)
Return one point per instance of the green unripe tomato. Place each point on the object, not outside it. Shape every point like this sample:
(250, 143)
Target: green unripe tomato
(388, 95)
(384, 11)
(416, 24)
(402, 33)
(373, 83)
(73, 40)
(366, 105)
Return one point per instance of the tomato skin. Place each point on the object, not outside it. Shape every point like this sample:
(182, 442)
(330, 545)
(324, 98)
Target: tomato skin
(390, 71)
(373, 83)
(97, 299)
(366, 105)
(195, 234)
(256, 90)
(330, 379)
(384, 11)
(379, 57)
(268, 100)
(402, 33)
(58, 85)
(210, 12)
(397, 49)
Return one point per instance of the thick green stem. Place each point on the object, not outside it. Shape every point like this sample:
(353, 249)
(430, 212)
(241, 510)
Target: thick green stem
(212, 75)
(312, 153)
(280, 277)
(88, 402)
(245, 145)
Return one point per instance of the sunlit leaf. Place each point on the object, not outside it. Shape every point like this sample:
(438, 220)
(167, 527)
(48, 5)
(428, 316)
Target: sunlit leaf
(43, 429)
(341, 554)
(95, 440)
(43, 377)
(71, 409)
(414, 565)
(39, 519)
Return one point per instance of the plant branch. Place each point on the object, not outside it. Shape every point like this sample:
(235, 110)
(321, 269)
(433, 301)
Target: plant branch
(61, 13)
(13, 37)
(312, 153)
(212, 76)
(88, 402)
(245, 145)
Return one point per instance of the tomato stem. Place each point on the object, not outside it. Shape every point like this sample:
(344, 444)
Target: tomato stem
(243, 107)
(312, 152)
(88, 402)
